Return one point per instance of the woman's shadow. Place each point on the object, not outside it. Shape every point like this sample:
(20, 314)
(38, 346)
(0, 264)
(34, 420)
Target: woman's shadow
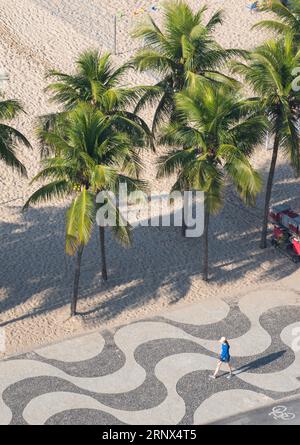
(260, 362)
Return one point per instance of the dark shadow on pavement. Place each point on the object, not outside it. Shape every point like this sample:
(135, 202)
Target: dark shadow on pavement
(259, 363)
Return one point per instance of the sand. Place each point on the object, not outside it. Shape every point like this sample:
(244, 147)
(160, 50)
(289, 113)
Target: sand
(161, 269)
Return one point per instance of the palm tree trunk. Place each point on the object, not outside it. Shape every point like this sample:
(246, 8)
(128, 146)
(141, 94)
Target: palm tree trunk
(263, 243)
(76, 281)
(185, 206)
(206, 244)
(183, 226)
(103, 253)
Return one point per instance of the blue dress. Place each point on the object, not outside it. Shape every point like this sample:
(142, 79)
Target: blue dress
(225, 355)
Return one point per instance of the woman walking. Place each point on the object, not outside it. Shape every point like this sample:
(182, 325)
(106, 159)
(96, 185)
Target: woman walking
(224, 358)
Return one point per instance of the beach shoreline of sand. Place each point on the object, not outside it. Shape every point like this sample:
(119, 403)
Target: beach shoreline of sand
(161, 270)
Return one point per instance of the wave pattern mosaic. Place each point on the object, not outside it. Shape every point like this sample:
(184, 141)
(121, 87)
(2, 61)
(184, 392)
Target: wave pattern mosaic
(156, 371)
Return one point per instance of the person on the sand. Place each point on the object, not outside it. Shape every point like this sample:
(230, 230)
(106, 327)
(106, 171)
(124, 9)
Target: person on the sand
(224, 358)
(253, 7)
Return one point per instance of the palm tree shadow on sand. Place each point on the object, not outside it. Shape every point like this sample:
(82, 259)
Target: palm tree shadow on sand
(36, 275)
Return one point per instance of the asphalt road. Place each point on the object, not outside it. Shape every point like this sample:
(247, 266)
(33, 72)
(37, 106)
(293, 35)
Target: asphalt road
(285, 412)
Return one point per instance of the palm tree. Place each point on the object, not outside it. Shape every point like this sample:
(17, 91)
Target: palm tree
(288, 16)
(98, 83)
(217, 130)
(269, 71)
(9, 136)
(89, 156)
(184, 45)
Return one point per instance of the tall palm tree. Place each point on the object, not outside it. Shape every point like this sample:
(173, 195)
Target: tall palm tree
(89, 156)
(9, 136)
(98, 83)
(288, 18)
(217, 130)
(269, 71)
(185, 44)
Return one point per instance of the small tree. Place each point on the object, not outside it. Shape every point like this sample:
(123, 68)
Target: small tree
(9, 136)
(185, 45)
(89, 156)
(216, 130)
(269, 71)
(97, 83)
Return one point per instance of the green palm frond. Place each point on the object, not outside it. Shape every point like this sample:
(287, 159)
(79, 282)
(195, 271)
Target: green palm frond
(103, 177)
(163, 111)
(133, 184)
(272, 25)
(185, 44)
(216, 20)
(290, 137)
(214, 192)
(149, 59)
(95, 83)
(122, 230)
(151, 97)
(9, 109)
(247, 181)
(80, 218)
(174, 161)
(11, 138)
(8, 153)
(288, 17)
(214, 133)
(53, 190)
(269, 72)
(89, 154)
(137, 128)
(179, 135)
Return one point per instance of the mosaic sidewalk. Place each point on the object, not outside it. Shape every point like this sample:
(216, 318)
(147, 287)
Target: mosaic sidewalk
(156, 371)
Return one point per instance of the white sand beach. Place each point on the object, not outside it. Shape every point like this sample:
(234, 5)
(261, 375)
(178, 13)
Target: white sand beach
(161, 269)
